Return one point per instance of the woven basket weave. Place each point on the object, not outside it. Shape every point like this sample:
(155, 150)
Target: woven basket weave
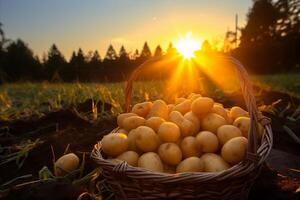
(129, 182)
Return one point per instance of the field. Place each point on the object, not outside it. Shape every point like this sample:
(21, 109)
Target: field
(41, 121)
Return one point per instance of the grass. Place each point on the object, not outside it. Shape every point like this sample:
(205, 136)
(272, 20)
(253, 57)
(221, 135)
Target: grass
(21, 100)
(287, 83)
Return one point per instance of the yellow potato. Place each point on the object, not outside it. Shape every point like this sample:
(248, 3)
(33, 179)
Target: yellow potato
(214, 163)
(123, 116)
(114, 144)
(202, 105)
(226, 132)
(229, 119)
(133, 122)
(131, 157)
(236, 112)
(66, 164)
(194, 119)
(151, 161)
(169, 169)
(121, 130)
(187, 128)
(243, 123)
(159, 109)
(183, 107)
(207, 142)
(220, 110)
(146, 139)
(191, 164)
(194, 96)
(168, 132)
(142, 109)
(132, 135)
(189, 147)
(154, 122)
(234, 150)
(170, 107)
(170, 153)
(211, 122)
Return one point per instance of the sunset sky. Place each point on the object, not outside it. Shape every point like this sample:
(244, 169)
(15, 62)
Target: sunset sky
(94, 24)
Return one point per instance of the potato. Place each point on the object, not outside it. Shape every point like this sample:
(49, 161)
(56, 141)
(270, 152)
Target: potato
(154, 122)
(194, 96)
(66, 164)
(220, 110)
(114, 144)
(133, 122)
(234, 150)
(211, 122)
(168, 132)
(189, 147)
(121, 130)
(187, 128)
(132, 135)
(236, 112)
(191, 164)
(202, 105)
(226, 132)
(146, 139)
(243, 123)
(214, 163)
(159, 109)
(142, 109)
(229, 119)
(170, 153)
(207, 142)
(151, 161)
(123, 116)
(179, 100)
(194, 119)
(183, 107)
(131, 157)
(170, 107)
(169, 169)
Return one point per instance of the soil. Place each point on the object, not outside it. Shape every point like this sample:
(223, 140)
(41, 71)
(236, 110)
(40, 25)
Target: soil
(63, 127)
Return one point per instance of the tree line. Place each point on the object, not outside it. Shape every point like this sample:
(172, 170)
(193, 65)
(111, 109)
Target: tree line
(268, 43)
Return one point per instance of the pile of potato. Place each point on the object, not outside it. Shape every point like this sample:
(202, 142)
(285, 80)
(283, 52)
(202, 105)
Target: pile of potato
(194, 134)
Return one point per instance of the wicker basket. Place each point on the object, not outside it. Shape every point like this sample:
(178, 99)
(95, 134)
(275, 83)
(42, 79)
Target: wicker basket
(234, 183)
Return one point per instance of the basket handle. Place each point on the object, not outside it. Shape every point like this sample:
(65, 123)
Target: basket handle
(246, 88)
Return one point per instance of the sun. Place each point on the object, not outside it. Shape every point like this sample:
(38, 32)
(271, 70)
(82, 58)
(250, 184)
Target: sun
(187, 45)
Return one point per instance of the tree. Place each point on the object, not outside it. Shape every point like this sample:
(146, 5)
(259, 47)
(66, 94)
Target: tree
(55, 62)
(95, 59)
(111, 53)
(158, 51)
(146, 53)
(20, 63)
(123, 55)
(206, 47)
(260, 25)
(171, 50)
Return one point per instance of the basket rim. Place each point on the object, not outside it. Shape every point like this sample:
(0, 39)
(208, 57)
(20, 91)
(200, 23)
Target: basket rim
(238, 170)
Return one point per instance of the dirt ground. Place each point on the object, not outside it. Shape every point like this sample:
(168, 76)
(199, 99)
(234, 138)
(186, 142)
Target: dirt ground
(279, 179)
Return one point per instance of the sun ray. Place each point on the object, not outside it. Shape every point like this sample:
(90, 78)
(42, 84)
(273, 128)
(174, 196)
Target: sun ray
(187, 45)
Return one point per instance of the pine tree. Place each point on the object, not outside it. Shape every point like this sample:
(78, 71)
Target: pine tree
(111, 53)
(158, 51)
(146, 53)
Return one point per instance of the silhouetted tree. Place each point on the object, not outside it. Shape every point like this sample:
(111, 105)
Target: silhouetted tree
(55, 62)
(158, 51)
(171, 50)
(206, 47)
(145, 53)
(20, 63)
(111, 53)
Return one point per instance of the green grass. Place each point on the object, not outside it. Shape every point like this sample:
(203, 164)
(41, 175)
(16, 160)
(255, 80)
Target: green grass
(287, 83)
(21, 100)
